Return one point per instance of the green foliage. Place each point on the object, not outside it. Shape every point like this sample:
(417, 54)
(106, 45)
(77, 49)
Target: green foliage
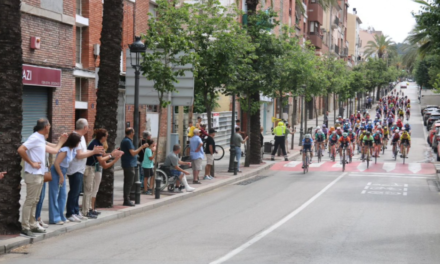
(170, 47)
(427, 29)
(426, 71)
(380, 46)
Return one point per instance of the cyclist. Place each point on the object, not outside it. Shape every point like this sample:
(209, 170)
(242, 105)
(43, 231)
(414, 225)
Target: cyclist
(386, 134)
(325, 131)
(408, 110)
(367, 141)
(319, 138)
(390, 120)
(400, 113)
(395, 140)
(361, 135)
(352, 136)
(370, 126)
(307, 144)
(399, 124)
(377, 142)
(359, 116)
(344, 141)
(376, 121)
(339, 131)
(333, 141)
(405, 138)
(407, 127)
(346, 127)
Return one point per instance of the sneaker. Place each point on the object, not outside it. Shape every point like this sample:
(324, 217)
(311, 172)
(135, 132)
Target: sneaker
(74, 219)
(66, 221)
(80, 216)
(39, 230)
(96, 212)
(42, 224)
(27, 233)
(59, 223)
(272, 159)
(149, 192)
(92, 216)
(207, 177)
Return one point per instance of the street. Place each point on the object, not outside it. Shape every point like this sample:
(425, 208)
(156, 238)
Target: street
(387, 213)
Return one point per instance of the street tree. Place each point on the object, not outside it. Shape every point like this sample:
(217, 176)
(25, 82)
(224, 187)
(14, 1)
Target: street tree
(220, 44)
(108, 88)
(168, 51)
(11, 115)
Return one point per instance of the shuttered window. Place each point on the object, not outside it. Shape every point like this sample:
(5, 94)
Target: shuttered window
(35, 106)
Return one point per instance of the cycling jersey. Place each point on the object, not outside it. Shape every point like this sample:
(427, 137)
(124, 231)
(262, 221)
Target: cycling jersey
(319, 137)
(334, 138)
(405, 136)
(386, 131)
(377, 137)
(368, 139)
(344, 140)
(401, 112)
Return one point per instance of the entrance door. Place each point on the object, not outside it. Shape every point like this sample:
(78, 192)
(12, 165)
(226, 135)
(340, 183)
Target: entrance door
(35, 106)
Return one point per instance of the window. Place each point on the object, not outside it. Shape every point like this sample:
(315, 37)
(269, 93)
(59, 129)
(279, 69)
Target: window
(152, 10)
(305, 28)
(79, 7)
(78, 45)
(312, 27)
(53, 5)
(78, 90)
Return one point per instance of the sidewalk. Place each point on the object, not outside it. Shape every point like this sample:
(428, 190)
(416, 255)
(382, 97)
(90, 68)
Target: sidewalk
(222, 178)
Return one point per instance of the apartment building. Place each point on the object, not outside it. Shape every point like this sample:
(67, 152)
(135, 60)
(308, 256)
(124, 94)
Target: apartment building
(61, 43)
(366, 35)
(353, 37)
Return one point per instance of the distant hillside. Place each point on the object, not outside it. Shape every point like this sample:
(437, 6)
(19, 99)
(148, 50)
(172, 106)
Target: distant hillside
(400, 48)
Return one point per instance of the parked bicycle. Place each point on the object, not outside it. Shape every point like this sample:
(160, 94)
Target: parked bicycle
(218, 154)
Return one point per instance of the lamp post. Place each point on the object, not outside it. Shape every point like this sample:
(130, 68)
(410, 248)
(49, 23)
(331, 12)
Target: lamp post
(135, 50)
(232, 147)
(301, 130)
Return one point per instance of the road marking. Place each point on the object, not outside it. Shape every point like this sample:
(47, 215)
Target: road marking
(389, 166)
(390, 175)
(293, 164)
(414, 167)
(362, 166)
(316, 165)
(272, 228)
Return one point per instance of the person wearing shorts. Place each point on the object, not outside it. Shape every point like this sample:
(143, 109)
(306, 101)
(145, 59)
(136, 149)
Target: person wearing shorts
(148, 166)
(367, 141)
(197, 155)
(209, 150)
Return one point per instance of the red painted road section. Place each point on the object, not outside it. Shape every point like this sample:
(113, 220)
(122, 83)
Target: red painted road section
(328, 166)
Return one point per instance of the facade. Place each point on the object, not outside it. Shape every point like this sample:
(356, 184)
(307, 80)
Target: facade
(366, 35)
(353, 32)
(61, 42)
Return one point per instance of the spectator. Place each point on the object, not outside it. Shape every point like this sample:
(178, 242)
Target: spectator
(326, 118)
(209, 150)
(75, 172)
(288, 133)
(190, 130)
(203, 133)
(2, 174)
(57, 186)
(172, 162)
(237, 141)
(33, 152)
(129, 162)
(148, 166)
(237, 123)
(93, 173)
(199, 123)
(145, 136)
(196, 154)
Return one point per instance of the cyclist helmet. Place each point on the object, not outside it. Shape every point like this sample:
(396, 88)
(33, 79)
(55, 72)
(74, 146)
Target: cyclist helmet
(323, 126)
(334, 132)
(345, 134)
(403, 129)
(379, 126)
(370, 122)
(350, 129)
(339, 128)
(368, 132)
(359, 111)
(318, 127)
(340, 117)
(398, 120)
(406, 123)
(307, 136)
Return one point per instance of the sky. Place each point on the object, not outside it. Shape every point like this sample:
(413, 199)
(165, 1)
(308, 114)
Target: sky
(392, 17)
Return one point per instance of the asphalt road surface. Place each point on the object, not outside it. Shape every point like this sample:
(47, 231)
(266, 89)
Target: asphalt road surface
(387, 213)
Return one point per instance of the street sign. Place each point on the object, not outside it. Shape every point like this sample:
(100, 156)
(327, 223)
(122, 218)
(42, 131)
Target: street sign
(149, 96)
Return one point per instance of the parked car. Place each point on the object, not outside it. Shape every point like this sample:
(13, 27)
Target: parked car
(403, 85)
(434, 131)
(428, 114)
(431, 121)
(410, 80)
(437, 139)
(428, 107)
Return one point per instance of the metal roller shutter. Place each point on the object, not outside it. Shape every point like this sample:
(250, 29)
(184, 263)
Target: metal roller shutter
(35, 105)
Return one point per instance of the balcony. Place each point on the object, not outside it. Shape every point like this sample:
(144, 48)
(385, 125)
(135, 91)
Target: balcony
(315, 12)
(344, 52)
(316, 40)
(337, 49)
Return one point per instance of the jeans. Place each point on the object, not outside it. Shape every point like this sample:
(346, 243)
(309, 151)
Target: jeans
(128, 181)
(238, 156)
(57, 196)
(75, 183)
(40, 202)
(34, 183)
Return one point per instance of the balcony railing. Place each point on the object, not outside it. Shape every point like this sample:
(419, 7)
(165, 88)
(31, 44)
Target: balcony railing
(336, 49)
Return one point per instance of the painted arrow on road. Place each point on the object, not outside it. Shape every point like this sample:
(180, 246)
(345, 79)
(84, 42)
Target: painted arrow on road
(414, 167)
(389, 166)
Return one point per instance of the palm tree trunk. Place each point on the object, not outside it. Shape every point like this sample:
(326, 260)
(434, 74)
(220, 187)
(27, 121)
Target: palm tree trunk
(107, 95)
(254, 143)
(11, 113)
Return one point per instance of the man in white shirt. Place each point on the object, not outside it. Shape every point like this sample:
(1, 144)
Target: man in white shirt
(75, 172)
(33, 152)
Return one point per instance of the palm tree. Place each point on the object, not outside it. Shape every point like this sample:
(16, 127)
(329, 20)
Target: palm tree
(381, 45)
(107, 95)
(11, 115)
(420, 38)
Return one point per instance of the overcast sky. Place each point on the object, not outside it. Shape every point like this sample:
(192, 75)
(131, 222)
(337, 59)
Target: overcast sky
(393, 17)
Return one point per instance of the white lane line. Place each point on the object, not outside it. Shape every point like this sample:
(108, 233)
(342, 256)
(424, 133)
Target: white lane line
(272, 228)
(364, 191)
(354, 174)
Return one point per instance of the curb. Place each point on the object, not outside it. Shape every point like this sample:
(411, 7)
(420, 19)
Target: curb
(22, 241)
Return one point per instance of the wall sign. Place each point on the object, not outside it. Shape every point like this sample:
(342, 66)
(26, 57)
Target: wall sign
(41, 76)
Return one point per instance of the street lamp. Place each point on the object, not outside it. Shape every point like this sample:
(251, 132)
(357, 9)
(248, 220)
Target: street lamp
(232, 166)
(135, 56)
(301, 130)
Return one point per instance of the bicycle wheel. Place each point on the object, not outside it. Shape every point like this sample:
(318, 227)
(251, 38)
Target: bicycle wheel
(368, 158)
(319, 154)
(164, 177)
(375, 155)
(306, 163)
(219, 152)
(404, 153)
(383, 148)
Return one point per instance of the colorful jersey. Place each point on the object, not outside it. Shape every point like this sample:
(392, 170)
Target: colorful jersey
(344, 140)
(368, 138)
(319, 137)
(405, 135)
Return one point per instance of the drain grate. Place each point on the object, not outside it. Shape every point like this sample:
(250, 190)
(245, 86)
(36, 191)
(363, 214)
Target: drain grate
(247, 182)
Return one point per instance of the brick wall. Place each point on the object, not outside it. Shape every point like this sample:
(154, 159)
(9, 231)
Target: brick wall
(35, 3)
(63, 107)
(57, 42)
(129, 116)
(141, 13)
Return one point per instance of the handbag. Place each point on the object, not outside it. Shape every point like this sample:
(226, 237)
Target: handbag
(47, 176)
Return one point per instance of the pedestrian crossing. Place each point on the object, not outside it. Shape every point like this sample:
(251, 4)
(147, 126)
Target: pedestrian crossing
(358, 166)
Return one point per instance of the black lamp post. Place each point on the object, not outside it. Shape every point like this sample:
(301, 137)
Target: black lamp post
(232, 166)
(301, 130)
(135, 56)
